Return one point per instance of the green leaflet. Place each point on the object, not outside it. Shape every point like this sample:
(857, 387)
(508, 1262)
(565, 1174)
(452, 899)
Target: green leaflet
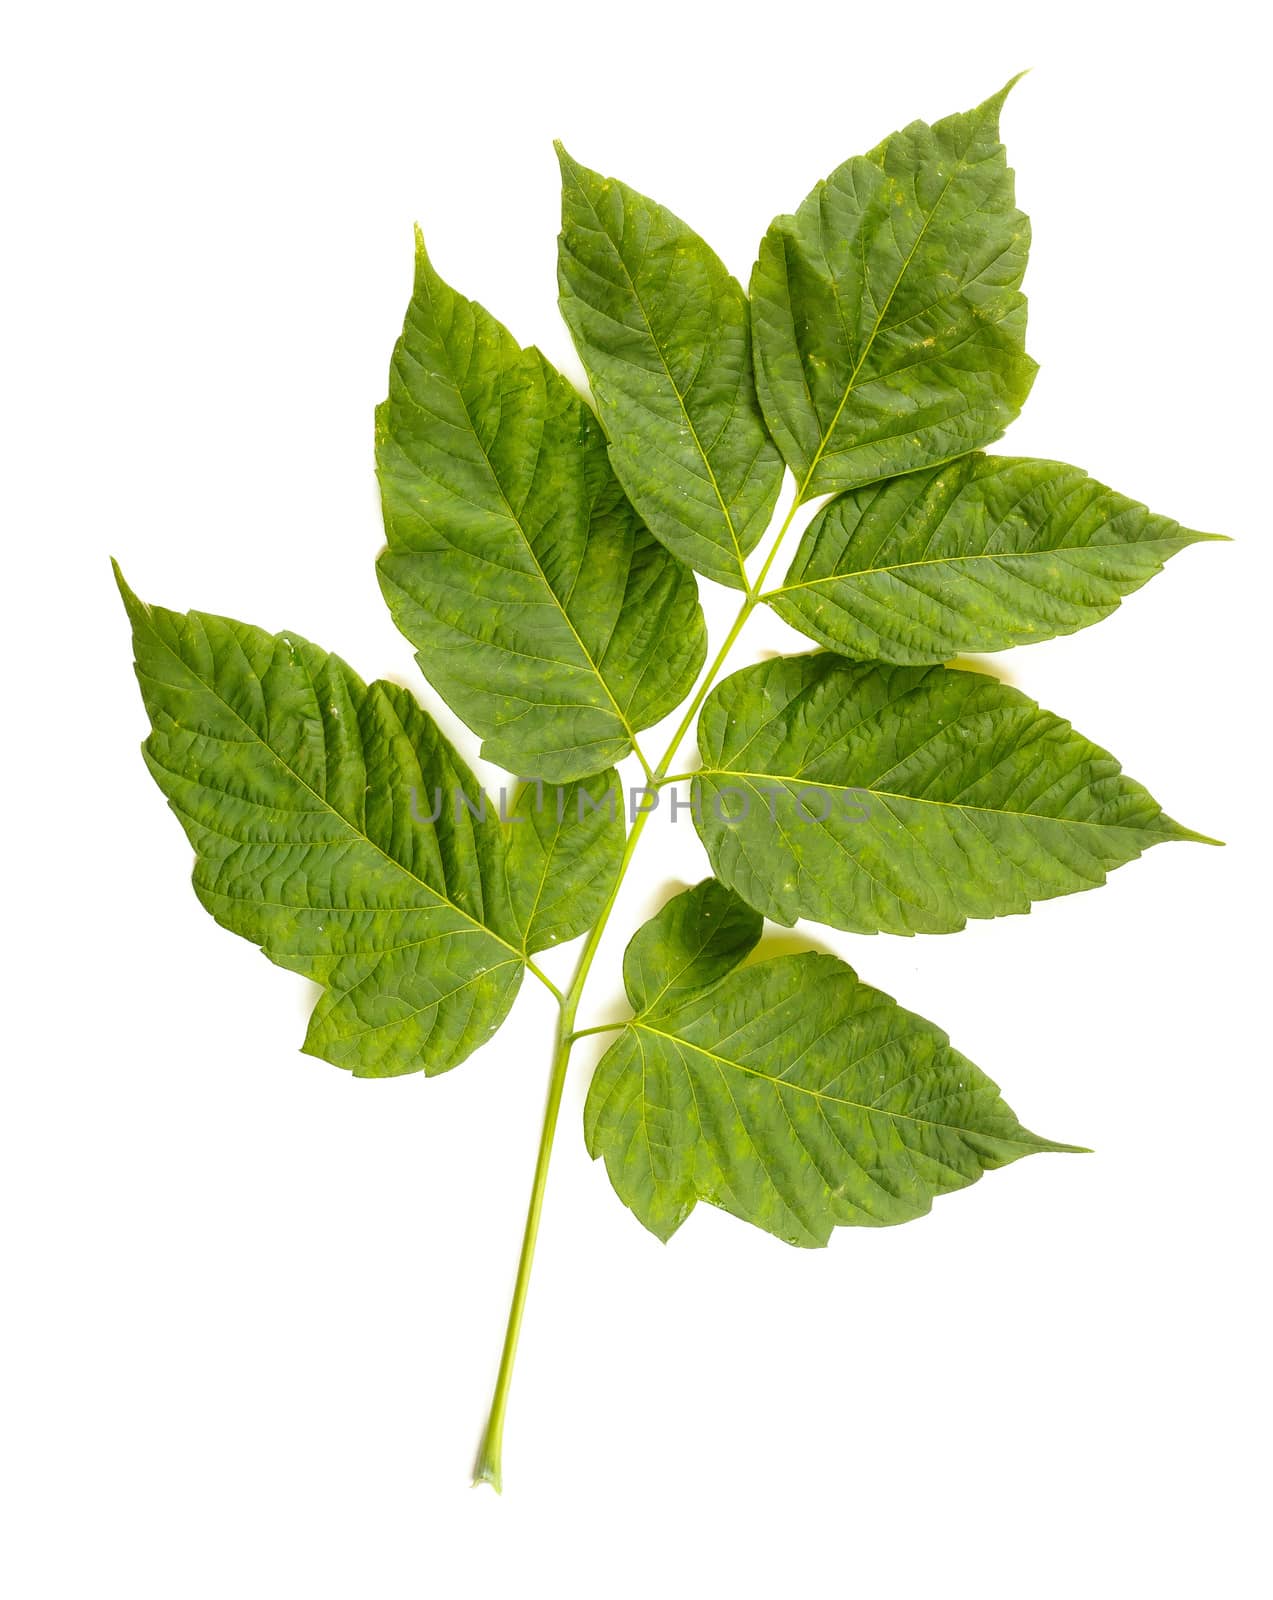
(564, 849)
(790, 1094)
(662, 330)
(888, 324)
(905, 800)
(307, 796)
(694, 941)
(543, 611)
(980, 554)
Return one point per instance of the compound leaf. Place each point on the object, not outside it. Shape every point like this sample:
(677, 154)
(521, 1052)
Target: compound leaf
(662, 330)
(798, 1098)
(336, 828)
(564, 849)
(692, 943)
(904, 799)
(980, 554)
(542, 610)
(888, 322)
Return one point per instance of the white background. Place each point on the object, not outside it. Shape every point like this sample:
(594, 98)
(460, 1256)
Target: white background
(254, 1306)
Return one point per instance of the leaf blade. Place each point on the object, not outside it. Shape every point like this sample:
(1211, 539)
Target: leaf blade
(564, 850)
(696, 939)
(541, 609)
(904, 799)
(662, 330)
(888, 324)
(799, 1099)
(300, 787)
(982, 553)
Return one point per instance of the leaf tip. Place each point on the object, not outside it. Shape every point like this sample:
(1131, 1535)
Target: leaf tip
(1037, 1145)
(1190, 837)
(1010, 86)
(575, 174)
(994, 105)
(135, 608)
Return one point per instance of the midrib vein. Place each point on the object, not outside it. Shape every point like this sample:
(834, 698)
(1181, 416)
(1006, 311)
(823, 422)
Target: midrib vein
(915, 799)
(525, 537)
(816, 1094)
(870, 343)
(946, 561)
(667, 371)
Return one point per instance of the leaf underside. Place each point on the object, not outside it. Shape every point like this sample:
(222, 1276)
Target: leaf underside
(790, 1094)
(306, 795)
(542, 609)
(979, 554)
(903, 799)
(887, 318)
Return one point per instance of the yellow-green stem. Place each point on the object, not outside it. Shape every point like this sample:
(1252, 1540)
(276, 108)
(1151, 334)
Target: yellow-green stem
(489, 1467)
